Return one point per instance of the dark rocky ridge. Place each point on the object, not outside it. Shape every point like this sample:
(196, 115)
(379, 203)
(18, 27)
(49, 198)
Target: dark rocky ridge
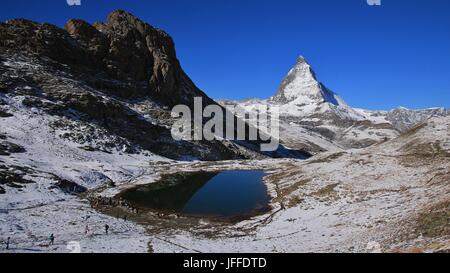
(123, 48)
(121, 76)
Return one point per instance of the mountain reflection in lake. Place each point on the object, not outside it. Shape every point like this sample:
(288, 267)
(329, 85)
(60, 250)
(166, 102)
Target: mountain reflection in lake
(222, 194)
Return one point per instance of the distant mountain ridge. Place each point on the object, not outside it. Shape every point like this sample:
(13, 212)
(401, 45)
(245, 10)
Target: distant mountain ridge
(316, 119)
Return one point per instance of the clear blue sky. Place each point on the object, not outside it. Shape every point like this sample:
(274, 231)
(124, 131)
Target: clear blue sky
(397, 54)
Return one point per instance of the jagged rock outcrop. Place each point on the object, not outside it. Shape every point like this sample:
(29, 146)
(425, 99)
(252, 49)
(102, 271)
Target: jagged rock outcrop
(95, 73)
(117, 80)
(123, 48)
(89, 37)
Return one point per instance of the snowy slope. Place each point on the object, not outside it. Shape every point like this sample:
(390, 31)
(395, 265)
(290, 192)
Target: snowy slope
(36, 203)
(384, 195)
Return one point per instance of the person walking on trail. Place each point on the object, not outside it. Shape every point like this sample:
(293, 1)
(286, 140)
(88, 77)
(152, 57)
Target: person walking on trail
(106, 229)
(7, 243)
(52, 239)
(86, 230)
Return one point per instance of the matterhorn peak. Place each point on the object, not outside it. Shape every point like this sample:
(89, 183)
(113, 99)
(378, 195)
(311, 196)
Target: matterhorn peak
(301, 59)
(302, 65)
(302, 87)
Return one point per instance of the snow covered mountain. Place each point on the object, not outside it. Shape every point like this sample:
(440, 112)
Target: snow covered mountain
(404, 119)
(314, 118)
(301, 87)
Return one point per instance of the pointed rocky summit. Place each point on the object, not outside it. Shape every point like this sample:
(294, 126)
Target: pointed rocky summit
(302, 87)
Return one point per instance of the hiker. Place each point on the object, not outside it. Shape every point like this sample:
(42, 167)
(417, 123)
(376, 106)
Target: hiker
(7, 243)
(106, 229)
(86, 230)
(52, 239)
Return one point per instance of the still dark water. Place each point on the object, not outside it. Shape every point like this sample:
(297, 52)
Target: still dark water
(223, 194)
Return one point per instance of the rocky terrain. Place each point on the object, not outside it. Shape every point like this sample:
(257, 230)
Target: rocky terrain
(110, 86)
(85, 114)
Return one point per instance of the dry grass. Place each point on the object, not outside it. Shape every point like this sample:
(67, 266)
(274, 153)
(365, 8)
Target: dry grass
(361, 162)
(283, 194)
(440, 178)
(414, 130)
(437, 247)
(294, 201)
(326, 191)
(281, 175)
(327, 159)
(435, 222)
(417, 154)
